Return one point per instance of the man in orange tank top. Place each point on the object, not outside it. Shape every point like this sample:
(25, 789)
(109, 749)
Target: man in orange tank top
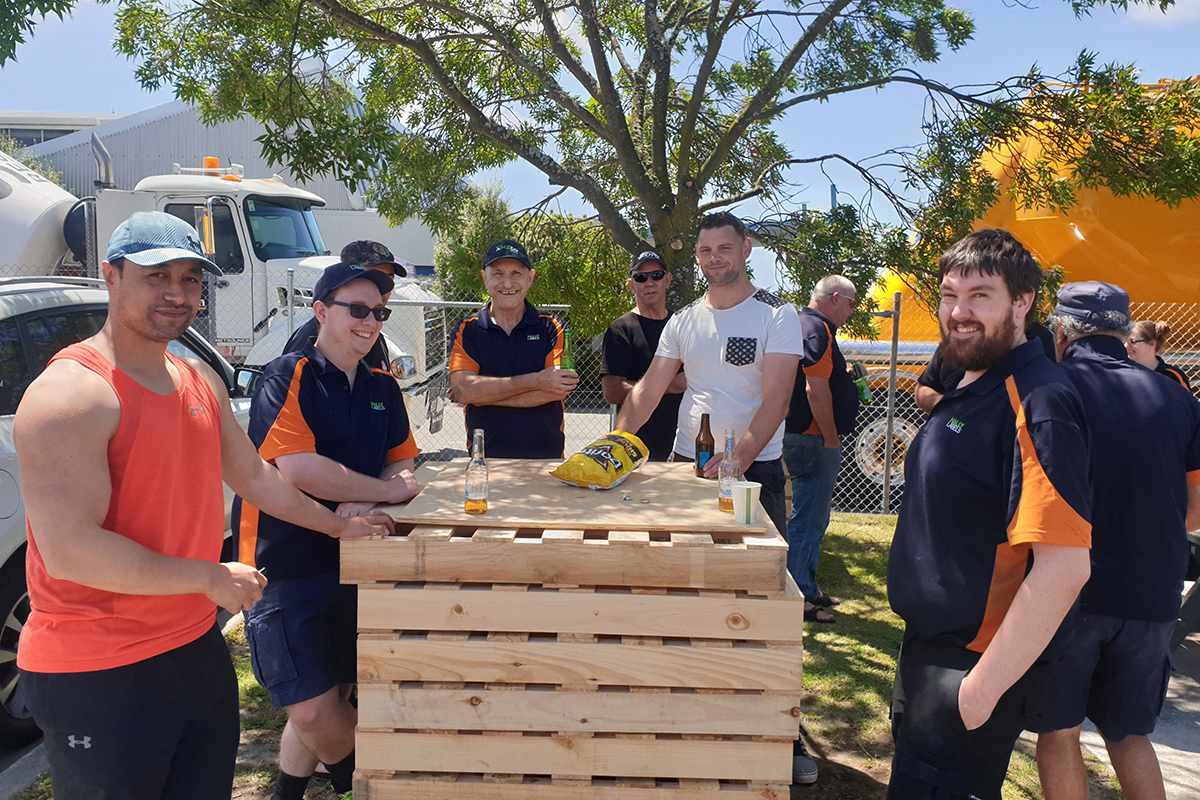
(123, 448)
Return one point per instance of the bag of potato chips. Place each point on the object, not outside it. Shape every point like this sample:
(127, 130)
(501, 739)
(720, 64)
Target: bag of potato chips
(604, 463)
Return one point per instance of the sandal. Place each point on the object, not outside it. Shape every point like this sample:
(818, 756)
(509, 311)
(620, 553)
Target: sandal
(819, 615)
(823, 600)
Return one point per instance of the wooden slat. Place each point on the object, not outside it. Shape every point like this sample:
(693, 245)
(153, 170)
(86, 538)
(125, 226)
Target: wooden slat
(408, 787)
(521, 493)
(617, 614)
(391, 706)
(775, 669)
(583, 561)
(768, 762)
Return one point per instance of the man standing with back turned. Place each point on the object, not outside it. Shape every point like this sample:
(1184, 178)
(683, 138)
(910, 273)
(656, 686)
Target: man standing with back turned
(629, 346)
(991, 546)
(1146, 470)
(123, 448)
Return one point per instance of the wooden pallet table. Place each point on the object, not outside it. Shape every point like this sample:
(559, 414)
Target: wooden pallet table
(572, 644)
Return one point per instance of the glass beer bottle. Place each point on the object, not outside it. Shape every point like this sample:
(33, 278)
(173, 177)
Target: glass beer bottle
(477, 477)
(705, 445)
(568, 355)
(730, 472)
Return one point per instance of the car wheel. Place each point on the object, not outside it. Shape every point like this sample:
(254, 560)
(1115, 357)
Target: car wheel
(17, 727)
(864, 455)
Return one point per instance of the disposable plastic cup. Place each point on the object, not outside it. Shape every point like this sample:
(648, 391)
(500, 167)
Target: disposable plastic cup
(745, 501)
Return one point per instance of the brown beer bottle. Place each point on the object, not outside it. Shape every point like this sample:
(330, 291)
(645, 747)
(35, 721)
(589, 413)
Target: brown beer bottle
(706, 445)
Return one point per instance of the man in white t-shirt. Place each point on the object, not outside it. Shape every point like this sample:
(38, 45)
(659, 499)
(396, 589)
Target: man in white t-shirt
(740, 346)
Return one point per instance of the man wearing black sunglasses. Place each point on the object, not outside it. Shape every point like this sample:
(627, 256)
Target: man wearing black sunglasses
(336, 427)
(369, 255)
(629, 346)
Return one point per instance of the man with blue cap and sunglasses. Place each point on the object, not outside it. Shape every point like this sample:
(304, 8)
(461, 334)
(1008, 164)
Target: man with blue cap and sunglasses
(336, 427)
(1145, 465)
(123, 448)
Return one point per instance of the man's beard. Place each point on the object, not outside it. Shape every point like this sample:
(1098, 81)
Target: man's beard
(981, 354)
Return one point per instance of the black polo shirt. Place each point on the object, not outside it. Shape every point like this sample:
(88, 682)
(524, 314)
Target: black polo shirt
(822, 359)
(307, 333)
(629, 346)
(481, 346)
(305, 405)
(1145, 453)
(1174, 373)
(941, 376)
(1001, 464)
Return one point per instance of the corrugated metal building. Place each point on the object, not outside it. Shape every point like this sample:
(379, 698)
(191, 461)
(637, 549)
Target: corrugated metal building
(149, 142)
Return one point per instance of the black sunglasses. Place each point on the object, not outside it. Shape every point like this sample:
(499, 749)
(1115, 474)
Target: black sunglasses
(655, 275)
(359, 311)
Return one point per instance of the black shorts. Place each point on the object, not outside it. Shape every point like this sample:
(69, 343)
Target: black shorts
(936, 756)
(1114, 672)
(303, 635)
(165, 727)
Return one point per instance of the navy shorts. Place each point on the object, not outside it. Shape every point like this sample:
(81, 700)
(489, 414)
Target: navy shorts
(164, 727)
(936, 756)
(302, 636)
(1114, 672)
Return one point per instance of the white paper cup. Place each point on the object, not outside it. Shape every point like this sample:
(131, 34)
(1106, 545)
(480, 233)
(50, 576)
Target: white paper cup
(745, 501)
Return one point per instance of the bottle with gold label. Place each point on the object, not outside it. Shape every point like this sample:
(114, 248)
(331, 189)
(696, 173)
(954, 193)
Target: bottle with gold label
(705, 445)
(730, 472)
(477, 477)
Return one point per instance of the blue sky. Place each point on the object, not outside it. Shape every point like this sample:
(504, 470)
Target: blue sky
(70, 66)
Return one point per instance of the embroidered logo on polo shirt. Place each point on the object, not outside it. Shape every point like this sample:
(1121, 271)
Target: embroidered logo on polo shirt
(533, 337)
(955, 424)
(378, 406)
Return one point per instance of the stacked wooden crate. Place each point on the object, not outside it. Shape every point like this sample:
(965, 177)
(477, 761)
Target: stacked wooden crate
(505, 657)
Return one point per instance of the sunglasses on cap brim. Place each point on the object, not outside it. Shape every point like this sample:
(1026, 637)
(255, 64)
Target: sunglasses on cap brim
(653, 275)
(359, 311)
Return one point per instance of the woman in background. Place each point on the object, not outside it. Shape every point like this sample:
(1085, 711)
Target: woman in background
(1147, 340)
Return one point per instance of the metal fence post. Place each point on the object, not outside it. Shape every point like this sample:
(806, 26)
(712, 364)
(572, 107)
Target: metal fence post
(886, 500)
(291, 302)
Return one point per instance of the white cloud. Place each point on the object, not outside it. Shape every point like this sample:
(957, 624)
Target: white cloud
(1184, 12)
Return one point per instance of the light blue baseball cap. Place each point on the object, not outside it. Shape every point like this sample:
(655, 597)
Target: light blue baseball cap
(150, 238)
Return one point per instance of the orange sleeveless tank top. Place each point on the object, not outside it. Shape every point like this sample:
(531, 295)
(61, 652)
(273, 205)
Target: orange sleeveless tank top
(165, 465)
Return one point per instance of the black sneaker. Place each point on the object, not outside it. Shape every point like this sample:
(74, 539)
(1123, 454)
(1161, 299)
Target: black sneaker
(804, 769)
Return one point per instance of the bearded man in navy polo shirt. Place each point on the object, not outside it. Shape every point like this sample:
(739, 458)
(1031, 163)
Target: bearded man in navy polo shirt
(991, 546)
(505, 363)
(1146, 468)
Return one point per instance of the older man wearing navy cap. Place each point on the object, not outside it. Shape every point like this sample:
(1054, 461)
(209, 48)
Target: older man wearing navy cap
(1145, 459)
(504, 363)
(336, 427)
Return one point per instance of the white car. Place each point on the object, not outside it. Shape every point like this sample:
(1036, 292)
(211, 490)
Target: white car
(39, 317)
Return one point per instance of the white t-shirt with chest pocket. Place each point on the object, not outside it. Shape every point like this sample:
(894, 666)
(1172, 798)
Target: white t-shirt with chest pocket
(722, 352)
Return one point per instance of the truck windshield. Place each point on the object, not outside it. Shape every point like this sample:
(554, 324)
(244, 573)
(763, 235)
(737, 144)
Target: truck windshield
(283, 227)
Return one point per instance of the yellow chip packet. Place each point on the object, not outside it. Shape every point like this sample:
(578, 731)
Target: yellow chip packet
(604, 463)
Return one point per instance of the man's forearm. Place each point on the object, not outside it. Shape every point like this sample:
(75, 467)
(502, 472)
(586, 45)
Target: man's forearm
(762, 428)
(489, 390)
(325, 478)
(534, 397)
(269, 491)
(1041, 603)
(616, 389)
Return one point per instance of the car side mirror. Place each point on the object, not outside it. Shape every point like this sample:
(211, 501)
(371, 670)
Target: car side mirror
(247, 379)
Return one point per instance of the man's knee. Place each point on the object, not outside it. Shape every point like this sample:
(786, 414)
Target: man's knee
(315, 712)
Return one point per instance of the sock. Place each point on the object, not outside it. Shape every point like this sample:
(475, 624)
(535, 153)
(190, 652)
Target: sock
(341, 774)
(290, 787)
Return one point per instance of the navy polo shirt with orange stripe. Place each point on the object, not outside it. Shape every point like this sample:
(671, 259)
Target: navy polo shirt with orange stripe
(1145, 453)
(305, 405)
(479, 345)
(822, 359)
(1001, 465)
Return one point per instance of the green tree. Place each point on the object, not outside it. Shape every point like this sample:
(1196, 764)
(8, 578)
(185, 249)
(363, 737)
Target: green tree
(655, 112)
(28, 158)
(16, 21)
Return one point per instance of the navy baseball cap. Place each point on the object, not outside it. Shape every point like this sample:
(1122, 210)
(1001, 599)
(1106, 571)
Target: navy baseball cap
(366, 253)
(506, 248)
(338, 275)
(150, 238)
(649, 255)
(1090, 300)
